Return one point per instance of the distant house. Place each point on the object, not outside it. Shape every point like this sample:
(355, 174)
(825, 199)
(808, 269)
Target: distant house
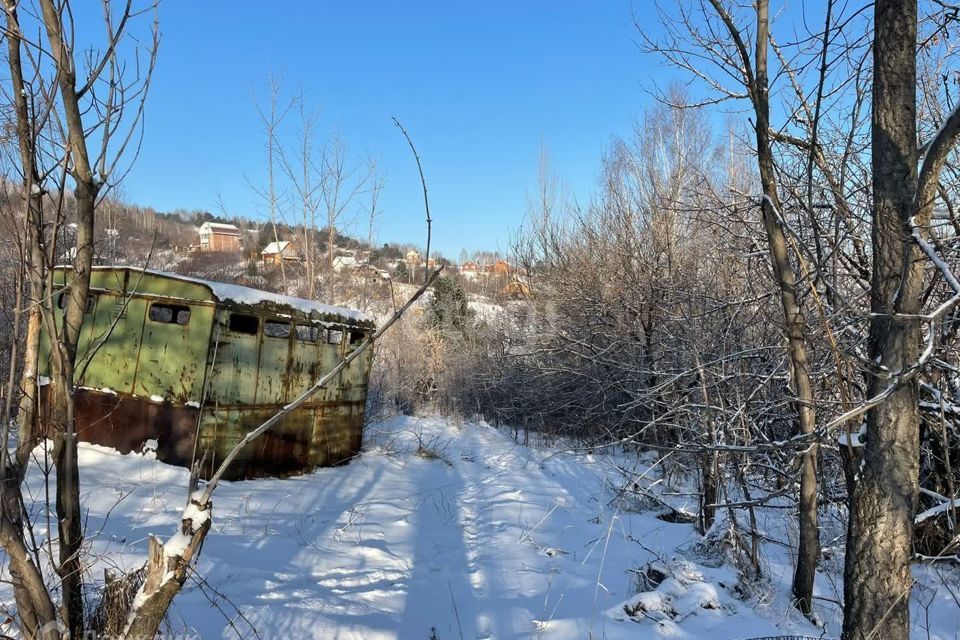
(216, 236)
(277, 252)
(371, 274)
(341, 263)
(500, 269)
(470, 270)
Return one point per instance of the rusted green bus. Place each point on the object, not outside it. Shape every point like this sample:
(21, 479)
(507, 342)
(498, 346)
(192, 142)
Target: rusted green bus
(190, 366)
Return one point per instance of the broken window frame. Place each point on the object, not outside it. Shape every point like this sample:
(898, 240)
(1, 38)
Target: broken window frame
(276, 328)
(91, 300)
(176, 313)
(308, 333)
(245, 322)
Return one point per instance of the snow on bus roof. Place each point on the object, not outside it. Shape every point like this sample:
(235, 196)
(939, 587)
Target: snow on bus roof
(224, 292)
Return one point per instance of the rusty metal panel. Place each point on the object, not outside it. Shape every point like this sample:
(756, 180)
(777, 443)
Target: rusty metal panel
(330, 357)
(172, 358)
(233, 374)
(305, 366)
(318, 435)
(126, 423)
(275, 354)
(114, 365)
(353, 384)
(337, 433)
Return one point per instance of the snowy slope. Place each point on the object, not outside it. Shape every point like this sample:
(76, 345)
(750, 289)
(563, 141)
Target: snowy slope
(487, 540)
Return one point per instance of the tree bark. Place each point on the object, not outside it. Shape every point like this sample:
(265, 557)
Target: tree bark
(164, 575)
(808, 551)
(33, 236)
(35, 607)
(877, 579)
(86, 189)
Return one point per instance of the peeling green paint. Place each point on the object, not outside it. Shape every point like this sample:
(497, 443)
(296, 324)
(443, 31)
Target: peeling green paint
(158, 339)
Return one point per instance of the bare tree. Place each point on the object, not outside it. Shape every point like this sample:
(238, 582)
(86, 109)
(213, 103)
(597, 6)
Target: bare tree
(73, 134)
(307, 187)
(733, 58)
(340, 183)
(271, 118)
(905, 305)
(877, 577)
(376, 181)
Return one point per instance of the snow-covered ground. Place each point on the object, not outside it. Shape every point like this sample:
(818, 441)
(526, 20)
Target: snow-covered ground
(472, 536)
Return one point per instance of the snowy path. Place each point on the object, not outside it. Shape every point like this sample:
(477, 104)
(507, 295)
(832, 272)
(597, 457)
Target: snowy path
(491, 540)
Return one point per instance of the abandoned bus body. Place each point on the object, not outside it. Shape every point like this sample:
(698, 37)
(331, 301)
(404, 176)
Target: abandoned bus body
(194, 366)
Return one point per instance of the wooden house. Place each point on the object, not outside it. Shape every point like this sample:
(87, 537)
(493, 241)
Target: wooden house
(277, 252)
(216, 236)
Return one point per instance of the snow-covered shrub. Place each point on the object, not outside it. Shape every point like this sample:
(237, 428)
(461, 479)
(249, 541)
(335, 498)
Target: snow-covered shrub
(672, 591)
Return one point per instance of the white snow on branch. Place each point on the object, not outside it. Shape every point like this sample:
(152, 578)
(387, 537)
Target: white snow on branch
(854, 439)
(937, 510)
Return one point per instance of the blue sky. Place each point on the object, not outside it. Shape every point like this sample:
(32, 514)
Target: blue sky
(480, 86)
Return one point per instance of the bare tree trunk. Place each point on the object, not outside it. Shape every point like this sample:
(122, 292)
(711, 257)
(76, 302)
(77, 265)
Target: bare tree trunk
(709, 461)
(808, 552)
(376, 186)
(337, 189)
(270, 122)
(309, 209)
(33, 235)
(273, 208)
(9, 392)
(303, 183)
(86, 190)
(331, 250)
(877, 579)
(164, 575)
(27, 412)
(34, 604)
